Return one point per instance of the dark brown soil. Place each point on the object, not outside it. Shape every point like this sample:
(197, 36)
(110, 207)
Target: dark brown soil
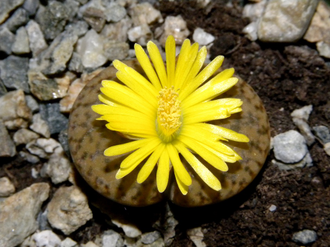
(286, 77)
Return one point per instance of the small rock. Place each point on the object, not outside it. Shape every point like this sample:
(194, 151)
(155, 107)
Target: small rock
(285, 20)
(116, 50)
(130, 230)
(58, 168)
(43, 147)
(323, 133)
(8, 148)
(90, 49)
(94, 14)
(52, 19)
(176, 26)
(46, 238)
(6, 187)
(78, 28)
(327, 148)
(40, 126)
(31, 6)
(111, 238)
(251, 31)
(75, 63)
(202, 37)
(36, 38)
(254, 11)
(117, 31)
(7, 6)
(114, 12)
(31, 159)
(305, 237)
(21, 44)
(140, 34)
(73, 7)
(305, 162)
(90, 244)
(18, 18)
(60, 52)
(6, 40)
(68, 210)
(318, 29)
(68, 242)
(32, 103)
(67, 102)
(302, 113)
(289, 147)
(13, 77)
(323, 48)
(150, 237)
(56, 120)
(24, 136)
(14, 111)
(19, 222)
(300, 118)
(272, 208)
(144, 14)
(196, 235)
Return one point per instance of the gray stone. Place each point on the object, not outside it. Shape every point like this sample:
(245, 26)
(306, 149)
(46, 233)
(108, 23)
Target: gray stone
(254, 11)
(43, 147)
(6, 6)
(251, 31)
(289, 147)
(21, 44)
(130, 230)
(305, 162)
(327, 148)
(202, 37)
(40, 126)
(14, 111)
(286, 20)
(68, 210)
(52, 19)
(6, 187)
(36, 38)
(302, 113)
(144, 14)
(3, 89)
(75, 63)
(323, 48)
(300, 118)
(29, 158)
(90, 49)
(323, 133)
(46, 238)
(116, 50)
(114, 12)
(12, 76)
(55, 119)
(78, 28)
(6, 40)
(63, 140)
(196, 235)
(94, 14)
(32, 103)
(59, 53)
(304, 237)
(140, 34)
(19, 18)
(117, 31)
(89, 244)
(58, 167)
(8, 148)
(18, 222)
(31, 6)
(150, 237)
(73, 7)
(68, 242)
(44, 88)
(111, 238)
(24, 136)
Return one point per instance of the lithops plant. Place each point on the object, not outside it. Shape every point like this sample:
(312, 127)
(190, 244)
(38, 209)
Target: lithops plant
(142, 131)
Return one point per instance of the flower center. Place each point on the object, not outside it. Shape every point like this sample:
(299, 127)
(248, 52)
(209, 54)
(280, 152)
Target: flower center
(168, 113)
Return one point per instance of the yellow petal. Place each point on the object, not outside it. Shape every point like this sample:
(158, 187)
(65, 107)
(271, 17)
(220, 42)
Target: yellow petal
(163, 171)
(116, 109)
(225, 133)
(229, 103)
(132, 129)
(208, 91)
(183, 187)
(170, 59)
(206, 154)
(205, 74)
(125, 148)
(204, 116)
(178, 167)
(150, 164)
(130, 120)
(158, 62)
(140, 154)
(147, 66)
(205, 174)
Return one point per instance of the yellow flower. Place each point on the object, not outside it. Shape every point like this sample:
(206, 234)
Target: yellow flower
(165, 114)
